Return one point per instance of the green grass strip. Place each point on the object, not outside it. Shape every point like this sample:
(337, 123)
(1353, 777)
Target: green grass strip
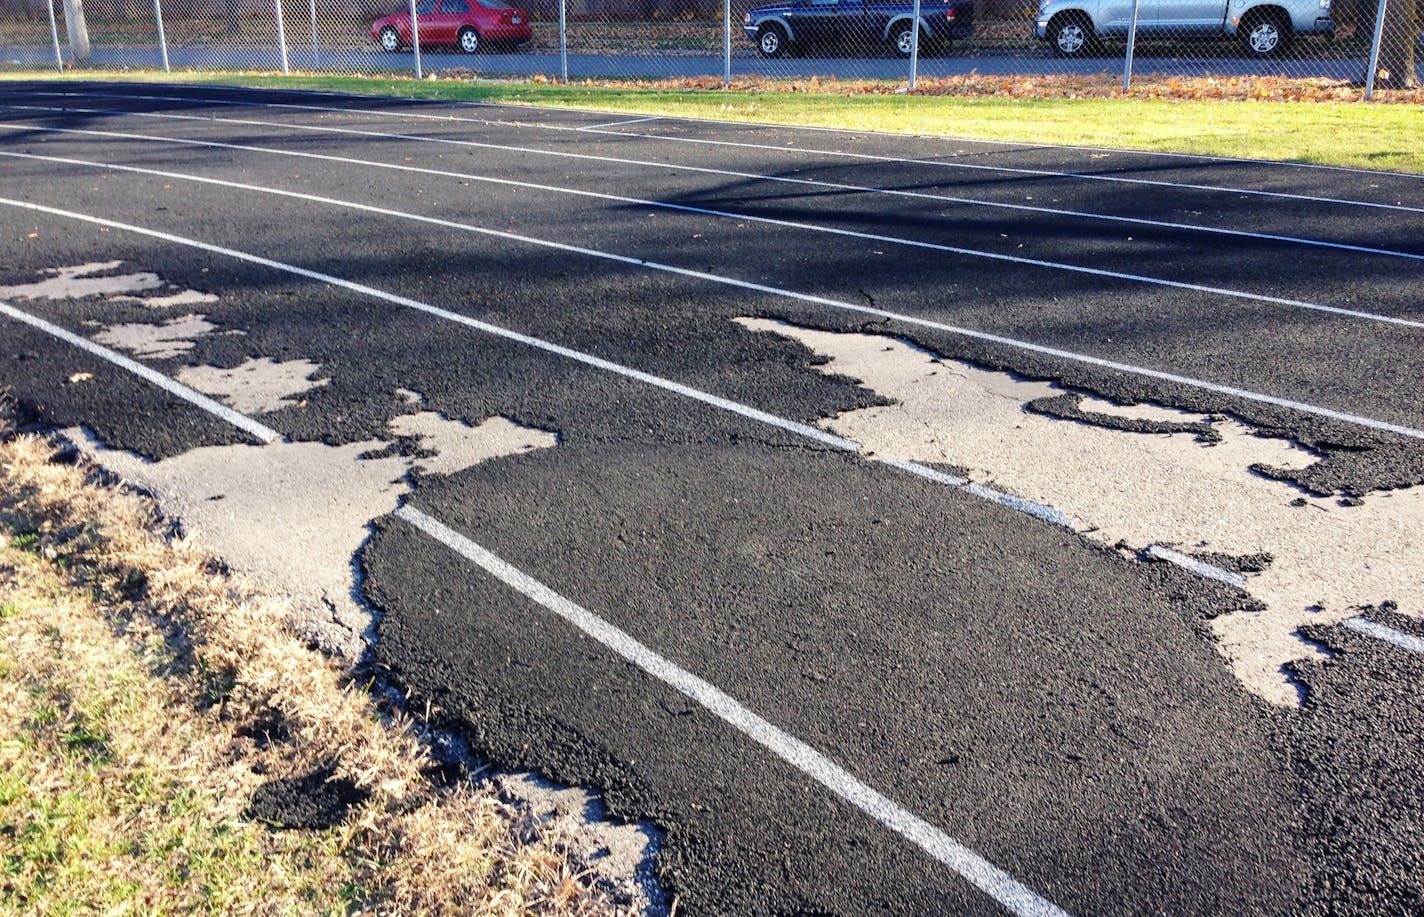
(1350, 134)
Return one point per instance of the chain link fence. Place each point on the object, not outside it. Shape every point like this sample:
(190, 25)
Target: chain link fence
(1375, 43)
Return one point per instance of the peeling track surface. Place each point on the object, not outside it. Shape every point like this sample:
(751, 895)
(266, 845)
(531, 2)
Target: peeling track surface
(1057, 707)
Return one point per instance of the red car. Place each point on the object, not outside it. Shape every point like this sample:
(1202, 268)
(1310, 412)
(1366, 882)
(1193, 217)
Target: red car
(470, 25)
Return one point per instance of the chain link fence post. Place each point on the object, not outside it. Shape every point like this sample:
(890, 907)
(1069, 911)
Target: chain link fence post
(726, 44)
(78, 30)
(415, 40)
(564, 42)
(1375, 50)
(54, 36)
(281, 36)
(162, 36)
(915, 47)
(1131, 47)
(316, 48)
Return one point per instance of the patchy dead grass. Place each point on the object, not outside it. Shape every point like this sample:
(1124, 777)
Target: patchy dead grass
(144, 697)
(1051, 86)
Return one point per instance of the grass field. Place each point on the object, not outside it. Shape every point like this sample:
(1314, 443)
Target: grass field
(1289, 122)
(146, 699)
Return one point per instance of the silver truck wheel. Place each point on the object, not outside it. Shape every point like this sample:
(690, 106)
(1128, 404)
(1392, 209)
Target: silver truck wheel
(771, 41)
(1263, 37)
(1070, 37)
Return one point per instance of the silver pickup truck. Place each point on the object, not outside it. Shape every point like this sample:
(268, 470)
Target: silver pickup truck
(1074, 28)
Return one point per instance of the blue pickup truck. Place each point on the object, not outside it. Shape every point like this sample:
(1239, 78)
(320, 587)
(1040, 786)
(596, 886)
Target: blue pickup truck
(791, 26)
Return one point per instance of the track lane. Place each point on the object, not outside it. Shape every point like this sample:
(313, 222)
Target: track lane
(1032, 240)
(1228, 206)
(801, 678)
(1083, 163)
(638, 229)
(794, 187)
(576, 514)
(802, 872)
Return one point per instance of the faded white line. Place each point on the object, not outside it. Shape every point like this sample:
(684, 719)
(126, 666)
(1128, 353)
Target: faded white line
(1200, 568)
(1388, 634)
(267, 435)
(1243, 394)
(988, 878)
(262, 433)
(980, 872)
(791, 426)
(1008, 145)
(1037, 173)
(1038, 510)
(592, 127)
(729, 173)
(720, 214)
(864, 157)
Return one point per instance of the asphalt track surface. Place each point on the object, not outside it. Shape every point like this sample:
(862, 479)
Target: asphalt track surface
(870, 691)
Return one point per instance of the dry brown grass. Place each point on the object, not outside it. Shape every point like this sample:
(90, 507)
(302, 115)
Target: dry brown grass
(1146, 85)
(144, 697)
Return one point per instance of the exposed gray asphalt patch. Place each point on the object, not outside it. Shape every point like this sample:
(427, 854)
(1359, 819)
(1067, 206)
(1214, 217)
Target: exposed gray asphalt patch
(750, 217)
(259, 431)
(1368, 423)
(602, 725)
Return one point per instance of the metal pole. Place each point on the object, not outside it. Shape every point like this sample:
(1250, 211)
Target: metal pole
(415, 40)
(54, 36)
(915, 48)
(316, 49)
(564, 42)
(1131, 47)
(162, 38)
(1375, 51)
(282, 37)
(727, 44)
(78, 29)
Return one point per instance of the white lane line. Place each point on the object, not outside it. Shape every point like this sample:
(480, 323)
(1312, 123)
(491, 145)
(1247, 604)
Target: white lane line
(1199, 567)
(1388, 634)
(719, 214)
(791, 426)
(1071, 356)
(815, 434)
(988, 878)
(725, 173)
(1010, 170)
(978, 871)
(621, 123)
(839, 154)
(1008, 145)
(261, 432)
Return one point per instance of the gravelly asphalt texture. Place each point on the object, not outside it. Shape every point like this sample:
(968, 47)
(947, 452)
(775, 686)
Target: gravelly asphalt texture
(1054, 706)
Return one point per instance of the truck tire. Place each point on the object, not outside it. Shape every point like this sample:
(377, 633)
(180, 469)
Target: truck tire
(1071, 35)
(902, 34)
(771, 40)
(1265, 34)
